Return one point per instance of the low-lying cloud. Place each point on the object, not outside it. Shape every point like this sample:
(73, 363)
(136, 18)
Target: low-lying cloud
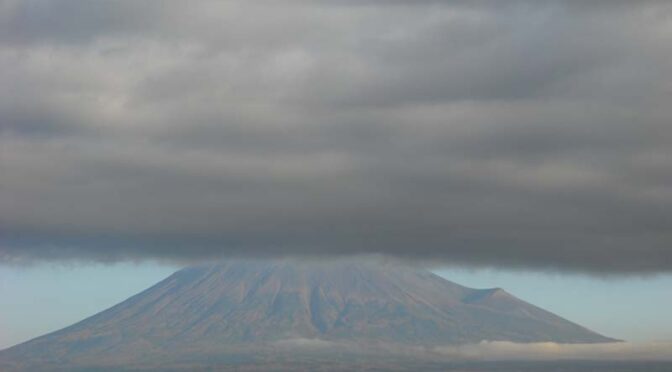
(305, 343)
(504, 350)
(530, 134)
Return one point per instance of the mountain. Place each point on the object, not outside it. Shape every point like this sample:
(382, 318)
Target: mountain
(250, 309)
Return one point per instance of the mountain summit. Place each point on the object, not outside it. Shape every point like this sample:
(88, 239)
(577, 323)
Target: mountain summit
(239, 307)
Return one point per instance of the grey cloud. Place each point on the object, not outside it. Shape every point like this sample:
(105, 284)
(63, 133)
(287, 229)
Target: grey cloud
(532, 135)
(73, 21)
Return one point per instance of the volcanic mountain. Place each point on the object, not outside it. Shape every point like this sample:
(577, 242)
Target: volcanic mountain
(244, 309)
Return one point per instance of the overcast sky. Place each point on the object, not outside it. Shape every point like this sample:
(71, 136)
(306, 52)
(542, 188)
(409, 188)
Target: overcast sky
(517, 134)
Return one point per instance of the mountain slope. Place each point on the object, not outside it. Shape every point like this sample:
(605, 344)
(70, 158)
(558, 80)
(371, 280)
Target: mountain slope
(242, 305)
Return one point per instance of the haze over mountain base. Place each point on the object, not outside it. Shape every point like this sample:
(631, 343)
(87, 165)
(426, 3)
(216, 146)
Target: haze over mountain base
(275, 312)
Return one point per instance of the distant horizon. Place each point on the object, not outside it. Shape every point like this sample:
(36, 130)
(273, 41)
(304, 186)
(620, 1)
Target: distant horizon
(74, 299)
(314, 309)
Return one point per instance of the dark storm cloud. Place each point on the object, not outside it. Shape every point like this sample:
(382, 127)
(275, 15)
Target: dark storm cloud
(526, 134)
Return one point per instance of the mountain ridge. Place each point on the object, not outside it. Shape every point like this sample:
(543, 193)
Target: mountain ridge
(243, 304)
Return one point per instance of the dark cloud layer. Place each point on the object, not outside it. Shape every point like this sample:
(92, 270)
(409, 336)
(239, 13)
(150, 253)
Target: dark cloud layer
(529, 134)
